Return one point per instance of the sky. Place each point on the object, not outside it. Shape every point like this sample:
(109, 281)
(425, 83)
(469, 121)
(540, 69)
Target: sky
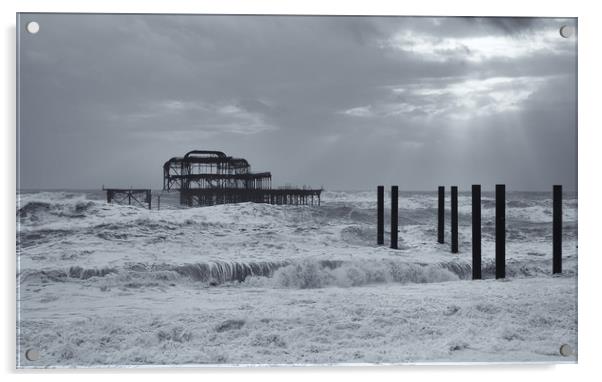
(344, 103)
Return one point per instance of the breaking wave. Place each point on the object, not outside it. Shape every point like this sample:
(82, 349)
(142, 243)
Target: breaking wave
(213, 273)
(222, 272)
(320, 274)
(306, 274)
(34, 211)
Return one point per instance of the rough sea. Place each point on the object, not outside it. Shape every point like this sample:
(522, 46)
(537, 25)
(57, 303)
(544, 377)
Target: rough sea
(112, 285)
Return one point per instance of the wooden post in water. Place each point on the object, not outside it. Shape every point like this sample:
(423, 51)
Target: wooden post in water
(158, 202)
(380, 223)
(500, 231)
(476, 231)
(557, 230)
(394, 212)
(441, 216)
(454, 219)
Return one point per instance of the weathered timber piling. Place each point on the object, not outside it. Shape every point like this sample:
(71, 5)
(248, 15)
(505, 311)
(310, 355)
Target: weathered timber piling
(557, 229)
(394, 217)
(500, 228)
(441, 216)
(500, 231)
(380, 224)
(476, 232)
(454, 219)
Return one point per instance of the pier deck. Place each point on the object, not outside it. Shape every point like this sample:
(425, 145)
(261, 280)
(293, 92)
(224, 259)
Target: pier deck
(212, 196)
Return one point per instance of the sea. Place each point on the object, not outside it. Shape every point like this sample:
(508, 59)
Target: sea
(102, 284)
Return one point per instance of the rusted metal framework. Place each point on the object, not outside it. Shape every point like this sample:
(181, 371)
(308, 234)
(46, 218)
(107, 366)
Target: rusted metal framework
(211, 177)
(201, 169)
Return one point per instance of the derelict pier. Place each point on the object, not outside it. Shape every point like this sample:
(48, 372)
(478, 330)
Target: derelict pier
(206, 178)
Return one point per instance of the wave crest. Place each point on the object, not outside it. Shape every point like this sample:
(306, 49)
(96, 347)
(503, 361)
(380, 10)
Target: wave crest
(312, 274)
(40, 208)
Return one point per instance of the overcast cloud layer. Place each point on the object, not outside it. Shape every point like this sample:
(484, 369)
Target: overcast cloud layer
(343, 102)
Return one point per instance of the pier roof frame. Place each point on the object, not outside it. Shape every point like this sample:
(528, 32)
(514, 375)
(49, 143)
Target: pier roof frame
(211, 169)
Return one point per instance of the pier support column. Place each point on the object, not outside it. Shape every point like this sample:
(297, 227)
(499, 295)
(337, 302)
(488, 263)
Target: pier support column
(441, 216)
(500, 231)
(394, 217)
(380, 212)
(476, 231)
(454, 219)
(557, 230)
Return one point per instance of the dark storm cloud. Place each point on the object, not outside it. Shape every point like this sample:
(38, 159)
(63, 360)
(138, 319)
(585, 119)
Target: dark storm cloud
(347, 102)
(510, 25)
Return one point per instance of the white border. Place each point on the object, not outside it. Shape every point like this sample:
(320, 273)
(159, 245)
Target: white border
(590, 187)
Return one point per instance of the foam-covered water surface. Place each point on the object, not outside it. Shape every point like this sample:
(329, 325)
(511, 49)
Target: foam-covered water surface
(72, 243)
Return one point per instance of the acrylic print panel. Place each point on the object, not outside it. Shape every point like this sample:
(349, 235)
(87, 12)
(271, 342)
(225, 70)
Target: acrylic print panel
(204, 189)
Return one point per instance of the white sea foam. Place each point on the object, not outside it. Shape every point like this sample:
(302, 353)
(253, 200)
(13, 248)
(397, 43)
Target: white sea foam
(84, 262)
